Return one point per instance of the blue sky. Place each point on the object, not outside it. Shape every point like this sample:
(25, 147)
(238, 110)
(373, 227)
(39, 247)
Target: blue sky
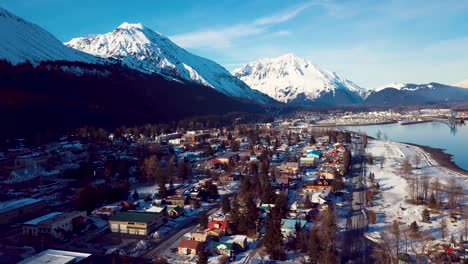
(371, 42)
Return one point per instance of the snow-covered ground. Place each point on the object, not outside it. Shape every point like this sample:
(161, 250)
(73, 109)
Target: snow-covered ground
(391, 203)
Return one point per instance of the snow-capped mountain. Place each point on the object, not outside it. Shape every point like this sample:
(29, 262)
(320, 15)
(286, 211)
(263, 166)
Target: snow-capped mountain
(291, 79)
(463, 84)
(405, 86)
(408, 94)
(142, 49)
(22, 40)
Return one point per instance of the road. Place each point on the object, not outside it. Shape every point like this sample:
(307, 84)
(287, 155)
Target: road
(172, 240)
(357, 249)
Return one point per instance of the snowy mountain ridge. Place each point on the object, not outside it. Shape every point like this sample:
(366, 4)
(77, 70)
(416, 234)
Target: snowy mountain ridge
(292, 79)
(405, 86)
(143, 49)
(23, 41)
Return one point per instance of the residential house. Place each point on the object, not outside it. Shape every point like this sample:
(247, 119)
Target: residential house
(291, 167)
(217, 228)
(160, 209)
(239, 240)
(189, 247)
(226, 249)
(177, 200)
(228, 177)
(306, 162)
(288, 226)
(107, 211)
(317, 154)
(228, 158)
(199, 236)
(137, 223)
(283, 180)
(174, 211)
(323, 196)
(319, 184)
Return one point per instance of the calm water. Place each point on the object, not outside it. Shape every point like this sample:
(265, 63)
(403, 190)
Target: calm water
(435, 134)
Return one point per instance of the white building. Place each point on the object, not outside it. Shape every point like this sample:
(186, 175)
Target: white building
(53, 224)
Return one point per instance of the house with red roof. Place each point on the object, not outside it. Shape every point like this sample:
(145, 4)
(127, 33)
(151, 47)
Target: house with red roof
(189, 247)
(217, 228)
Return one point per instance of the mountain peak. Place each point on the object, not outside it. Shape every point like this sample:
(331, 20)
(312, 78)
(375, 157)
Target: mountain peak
(145, 50)
(126, 25)
(289, 78)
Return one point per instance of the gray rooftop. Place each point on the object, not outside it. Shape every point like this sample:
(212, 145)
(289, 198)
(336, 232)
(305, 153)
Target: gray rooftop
(42, 218)
(52, 256)
(14, 204)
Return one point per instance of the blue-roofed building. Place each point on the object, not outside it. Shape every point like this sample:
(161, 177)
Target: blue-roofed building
(314, 154)
(288, 226)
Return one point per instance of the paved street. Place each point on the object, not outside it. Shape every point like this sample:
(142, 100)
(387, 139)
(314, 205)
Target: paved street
(357, 249)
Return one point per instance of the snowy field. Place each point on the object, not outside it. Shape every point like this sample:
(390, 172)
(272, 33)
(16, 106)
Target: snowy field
(392, 201)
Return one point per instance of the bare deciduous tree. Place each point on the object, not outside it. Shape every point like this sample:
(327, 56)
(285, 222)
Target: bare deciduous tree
(382, 160)
(417, 160)
(406, 168)
(443, 228)
(436, 187)
(425, 186)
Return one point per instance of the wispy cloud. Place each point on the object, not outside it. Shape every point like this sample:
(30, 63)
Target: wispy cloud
(283, 17)
(225, 37)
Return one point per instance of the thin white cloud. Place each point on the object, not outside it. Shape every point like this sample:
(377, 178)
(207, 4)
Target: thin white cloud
(222, 38)
(283, 17)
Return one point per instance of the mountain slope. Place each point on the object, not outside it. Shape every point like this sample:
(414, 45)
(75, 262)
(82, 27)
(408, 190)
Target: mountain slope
(33, 98)
(291, 79)
(142, 49)
(22, 40)
(463, 84)
(408, 94)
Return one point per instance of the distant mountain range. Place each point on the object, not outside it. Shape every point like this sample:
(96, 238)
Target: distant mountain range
(411, 94)
(135, 75)
(294, 80)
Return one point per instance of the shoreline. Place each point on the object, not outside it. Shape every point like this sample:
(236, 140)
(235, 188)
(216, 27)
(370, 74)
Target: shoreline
(443, 159)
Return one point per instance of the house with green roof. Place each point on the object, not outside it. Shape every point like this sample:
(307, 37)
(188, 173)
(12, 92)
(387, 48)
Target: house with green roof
(227, 249)
(136, 223)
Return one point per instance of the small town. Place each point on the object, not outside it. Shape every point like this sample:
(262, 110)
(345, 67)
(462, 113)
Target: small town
(290, 191)
(234, 132)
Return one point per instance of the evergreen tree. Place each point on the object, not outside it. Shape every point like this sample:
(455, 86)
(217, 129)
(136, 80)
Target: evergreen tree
(273, 239)
(432, 201)
(202, 256)
(162, 190)
(314, 246)
(203, 221)
(307, 203)
(414, 227)
(251, 212)
(225, 205)
(235, 212)
(268, 193)
(327, 236)
(281, 203)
